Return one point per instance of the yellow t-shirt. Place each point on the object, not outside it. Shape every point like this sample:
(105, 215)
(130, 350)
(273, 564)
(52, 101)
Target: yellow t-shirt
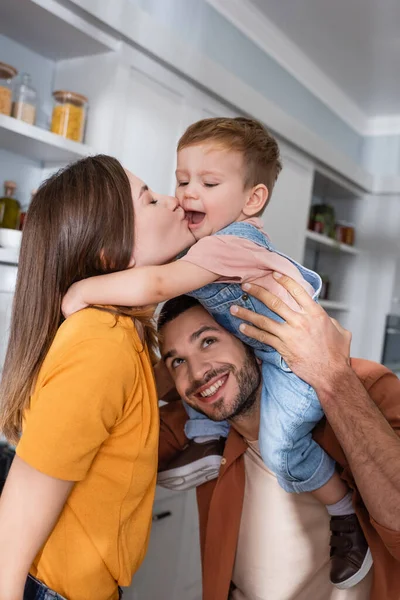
(93, 419)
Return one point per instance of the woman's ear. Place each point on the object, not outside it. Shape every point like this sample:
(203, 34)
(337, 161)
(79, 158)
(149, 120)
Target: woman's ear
(256, 201)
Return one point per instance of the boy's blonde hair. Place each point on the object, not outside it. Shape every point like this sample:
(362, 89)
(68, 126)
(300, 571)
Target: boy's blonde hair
(259, 148)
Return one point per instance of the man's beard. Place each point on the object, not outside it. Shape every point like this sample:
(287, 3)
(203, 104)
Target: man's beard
(248, 380)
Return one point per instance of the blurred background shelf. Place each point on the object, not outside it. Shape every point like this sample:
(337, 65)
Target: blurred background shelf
(9, 256)
(52, 30)
(38, 144)
(323, 240)
(332, 305)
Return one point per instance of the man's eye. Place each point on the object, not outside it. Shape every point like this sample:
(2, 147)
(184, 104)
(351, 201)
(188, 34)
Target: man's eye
(208, 342)
(176, 362)
(210, 185)
(182, 183)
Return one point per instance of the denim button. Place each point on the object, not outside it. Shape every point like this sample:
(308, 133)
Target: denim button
(245, 297)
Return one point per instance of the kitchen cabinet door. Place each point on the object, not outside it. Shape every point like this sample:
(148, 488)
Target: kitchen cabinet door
(152, 128)
(158, 576)
(8, 275)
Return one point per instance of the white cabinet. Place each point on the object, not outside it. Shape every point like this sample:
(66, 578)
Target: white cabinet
(157, 108)
(285, 218)
(171, 569)
(8, 276)
(152, 128)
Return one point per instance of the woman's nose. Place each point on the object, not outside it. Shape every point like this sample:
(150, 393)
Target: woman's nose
(170, 202)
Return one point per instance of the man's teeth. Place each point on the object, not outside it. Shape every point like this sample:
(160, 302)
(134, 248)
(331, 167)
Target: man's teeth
(212, 389)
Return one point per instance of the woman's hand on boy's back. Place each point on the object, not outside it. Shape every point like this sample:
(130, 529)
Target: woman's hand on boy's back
(72, 301)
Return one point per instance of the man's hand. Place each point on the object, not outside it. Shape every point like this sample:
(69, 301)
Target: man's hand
(72, 301)
(313, 345)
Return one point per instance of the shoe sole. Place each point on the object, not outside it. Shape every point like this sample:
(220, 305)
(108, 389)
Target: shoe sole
(359, 576)
(191, 475)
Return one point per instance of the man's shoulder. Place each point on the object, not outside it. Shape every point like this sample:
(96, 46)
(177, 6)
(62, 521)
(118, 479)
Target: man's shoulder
(382, 385)
(369, 372)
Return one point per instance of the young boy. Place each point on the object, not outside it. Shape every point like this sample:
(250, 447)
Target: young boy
(226, 172)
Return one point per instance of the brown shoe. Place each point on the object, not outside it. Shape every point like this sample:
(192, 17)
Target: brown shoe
(351, 558)
(196, 464)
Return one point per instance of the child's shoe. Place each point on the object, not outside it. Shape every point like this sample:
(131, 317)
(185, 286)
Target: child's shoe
(351, 558)
(196, 464)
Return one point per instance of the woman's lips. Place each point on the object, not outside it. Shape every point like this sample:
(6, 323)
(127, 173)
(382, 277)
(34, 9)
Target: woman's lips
(180, 213)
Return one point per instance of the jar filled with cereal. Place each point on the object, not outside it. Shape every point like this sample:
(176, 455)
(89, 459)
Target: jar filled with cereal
(7, 74)
(69, 115)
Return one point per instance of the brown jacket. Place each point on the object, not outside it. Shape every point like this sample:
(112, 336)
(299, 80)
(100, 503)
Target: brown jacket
(220, 501)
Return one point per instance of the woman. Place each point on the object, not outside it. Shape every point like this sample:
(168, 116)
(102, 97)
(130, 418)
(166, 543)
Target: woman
(76, 508)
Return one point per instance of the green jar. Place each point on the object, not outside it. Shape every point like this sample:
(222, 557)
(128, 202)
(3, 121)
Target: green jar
(10, 208)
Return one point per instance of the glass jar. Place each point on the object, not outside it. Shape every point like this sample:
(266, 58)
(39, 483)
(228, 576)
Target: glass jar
(9, 207)
(7, 74)
(69, 115)
(324, 294)
(25, 100)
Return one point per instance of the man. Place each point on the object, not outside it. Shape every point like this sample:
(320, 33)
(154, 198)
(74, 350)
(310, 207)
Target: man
(256, 540)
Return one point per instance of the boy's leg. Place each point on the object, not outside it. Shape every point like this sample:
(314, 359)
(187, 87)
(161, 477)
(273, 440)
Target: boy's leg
(200, 461)
(289, 411)
(200, 426)
(348, 544)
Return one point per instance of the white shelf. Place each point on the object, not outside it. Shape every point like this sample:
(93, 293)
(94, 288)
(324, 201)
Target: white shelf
(333, 187)
(323, 240)
(9, 256)
(38, 144)
(332, 305)
(52, 30)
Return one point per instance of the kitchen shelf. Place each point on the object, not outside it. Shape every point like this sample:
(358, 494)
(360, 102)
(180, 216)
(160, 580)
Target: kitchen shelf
(9, 256)
(317, 239)
(52, 30)
(38, 144)
(332, 305)
(329, 185)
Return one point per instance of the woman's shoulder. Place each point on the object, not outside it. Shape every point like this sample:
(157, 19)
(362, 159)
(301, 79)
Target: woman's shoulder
(97, 331)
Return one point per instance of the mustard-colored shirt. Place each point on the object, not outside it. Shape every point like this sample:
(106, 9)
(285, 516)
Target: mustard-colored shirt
(93, 419)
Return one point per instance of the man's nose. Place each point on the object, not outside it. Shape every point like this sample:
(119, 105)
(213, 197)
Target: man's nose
(198, 368)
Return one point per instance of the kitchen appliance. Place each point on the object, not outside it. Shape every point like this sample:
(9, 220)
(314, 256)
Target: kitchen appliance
(391, 347)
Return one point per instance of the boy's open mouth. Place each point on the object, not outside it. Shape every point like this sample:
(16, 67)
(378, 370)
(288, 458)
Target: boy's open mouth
(194, 218)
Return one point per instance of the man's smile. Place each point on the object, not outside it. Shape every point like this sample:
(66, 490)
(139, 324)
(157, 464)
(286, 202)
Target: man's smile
(212, 390)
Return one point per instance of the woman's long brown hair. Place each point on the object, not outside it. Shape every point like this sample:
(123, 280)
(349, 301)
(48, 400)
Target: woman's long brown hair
(80, 224)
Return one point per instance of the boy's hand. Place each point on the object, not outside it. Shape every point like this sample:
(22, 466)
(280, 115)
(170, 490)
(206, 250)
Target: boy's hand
(72, 301)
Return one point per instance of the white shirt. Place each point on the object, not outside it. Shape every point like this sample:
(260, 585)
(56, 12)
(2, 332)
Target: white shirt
(283, 546)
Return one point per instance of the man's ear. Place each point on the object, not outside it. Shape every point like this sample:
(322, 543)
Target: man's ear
(256, 200)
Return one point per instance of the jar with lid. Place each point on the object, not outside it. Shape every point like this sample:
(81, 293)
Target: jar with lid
(9, 207)
(345, 232)
(25, 100)
(7, 74)
(69, 115)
